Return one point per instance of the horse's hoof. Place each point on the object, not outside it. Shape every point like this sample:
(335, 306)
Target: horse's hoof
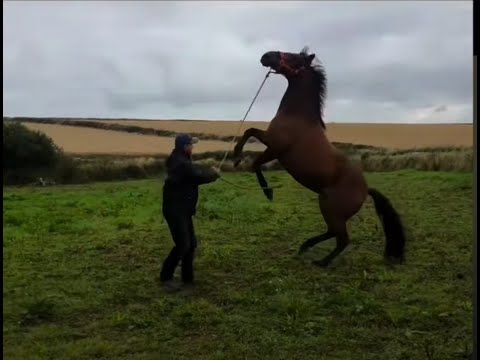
(321, 263)
(268, 193)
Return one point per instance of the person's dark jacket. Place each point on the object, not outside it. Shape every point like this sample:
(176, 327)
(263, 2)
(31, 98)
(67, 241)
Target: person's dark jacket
(180, 191)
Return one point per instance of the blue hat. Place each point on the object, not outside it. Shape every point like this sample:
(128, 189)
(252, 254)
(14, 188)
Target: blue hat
(182, 140)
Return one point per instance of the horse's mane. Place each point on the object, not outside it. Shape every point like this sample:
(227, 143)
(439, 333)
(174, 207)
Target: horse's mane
(321, 78)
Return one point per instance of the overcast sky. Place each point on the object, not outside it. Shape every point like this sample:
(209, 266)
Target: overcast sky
(385, 61)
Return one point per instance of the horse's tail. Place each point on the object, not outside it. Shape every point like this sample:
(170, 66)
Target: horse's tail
(392, 226)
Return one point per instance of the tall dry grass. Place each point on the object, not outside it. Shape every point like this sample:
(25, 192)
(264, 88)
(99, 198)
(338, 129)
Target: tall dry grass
(108, 168)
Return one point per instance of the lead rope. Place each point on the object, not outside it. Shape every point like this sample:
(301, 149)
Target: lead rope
(242, 121)
(238, 132)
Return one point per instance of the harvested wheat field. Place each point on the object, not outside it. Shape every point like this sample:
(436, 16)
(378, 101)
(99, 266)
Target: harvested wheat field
(83, 140)
(210, 127)
(398, 136)
(78, 140)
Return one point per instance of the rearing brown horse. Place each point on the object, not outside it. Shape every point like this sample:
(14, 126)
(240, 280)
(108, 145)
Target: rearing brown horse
(296, 138)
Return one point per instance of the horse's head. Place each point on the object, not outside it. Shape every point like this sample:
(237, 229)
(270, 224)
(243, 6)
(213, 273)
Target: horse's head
(287, 64)
(307, 86)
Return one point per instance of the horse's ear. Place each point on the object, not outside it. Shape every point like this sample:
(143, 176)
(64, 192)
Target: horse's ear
(310, 58)
(304, 51)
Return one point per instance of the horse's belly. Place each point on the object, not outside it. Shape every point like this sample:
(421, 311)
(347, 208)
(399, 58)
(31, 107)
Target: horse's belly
(312, 177)
(312, 161)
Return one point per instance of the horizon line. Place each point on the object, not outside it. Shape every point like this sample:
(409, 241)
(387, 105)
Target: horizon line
(228, 120)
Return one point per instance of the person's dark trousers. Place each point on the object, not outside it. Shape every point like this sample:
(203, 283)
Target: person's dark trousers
(183, 234)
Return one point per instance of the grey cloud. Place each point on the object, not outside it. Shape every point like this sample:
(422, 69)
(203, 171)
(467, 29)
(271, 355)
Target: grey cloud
(418, 86)
(201, 60)
(440, 108)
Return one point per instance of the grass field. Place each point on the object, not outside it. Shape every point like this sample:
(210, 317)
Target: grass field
(82, 140)
(80, 267)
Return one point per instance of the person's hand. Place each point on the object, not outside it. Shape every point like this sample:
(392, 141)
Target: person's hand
(216, 170)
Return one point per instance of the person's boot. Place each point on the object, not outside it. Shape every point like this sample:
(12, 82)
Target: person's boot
(170, 286)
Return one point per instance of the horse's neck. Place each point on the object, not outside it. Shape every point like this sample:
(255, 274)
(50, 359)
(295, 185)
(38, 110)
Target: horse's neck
(300, 103)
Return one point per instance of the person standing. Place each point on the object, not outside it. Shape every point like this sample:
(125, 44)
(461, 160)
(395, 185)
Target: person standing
(180, 197)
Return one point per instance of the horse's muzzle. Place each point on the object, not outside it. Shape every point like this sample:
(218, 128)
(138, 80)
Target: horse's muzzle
(270, 59)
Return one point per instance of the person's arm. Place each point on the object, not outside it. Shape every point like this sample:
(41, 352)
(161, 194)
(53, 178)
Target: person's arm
(192, 173)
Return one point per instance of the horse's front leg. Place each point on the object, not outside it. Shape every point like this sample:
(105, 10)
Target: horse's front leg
(260, 135)
(265, 157)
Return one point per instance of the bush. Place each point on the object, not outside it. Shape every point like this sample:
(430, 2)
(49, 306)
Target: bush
(25, 148)
(27, 154)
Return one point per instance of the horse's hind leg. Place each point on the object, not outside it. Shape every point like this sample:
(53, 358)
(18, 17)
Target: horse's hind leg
(314, 241)
(323, 203)
(342, 242)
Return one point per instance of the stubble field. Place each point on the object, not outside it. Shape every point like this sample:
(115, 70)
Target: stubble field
(78, 140)
(401, 136)
(81, 262)
(88, 141)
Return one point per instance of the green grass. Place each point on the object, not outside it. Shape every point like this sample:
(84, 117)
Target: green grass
(81, 262)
